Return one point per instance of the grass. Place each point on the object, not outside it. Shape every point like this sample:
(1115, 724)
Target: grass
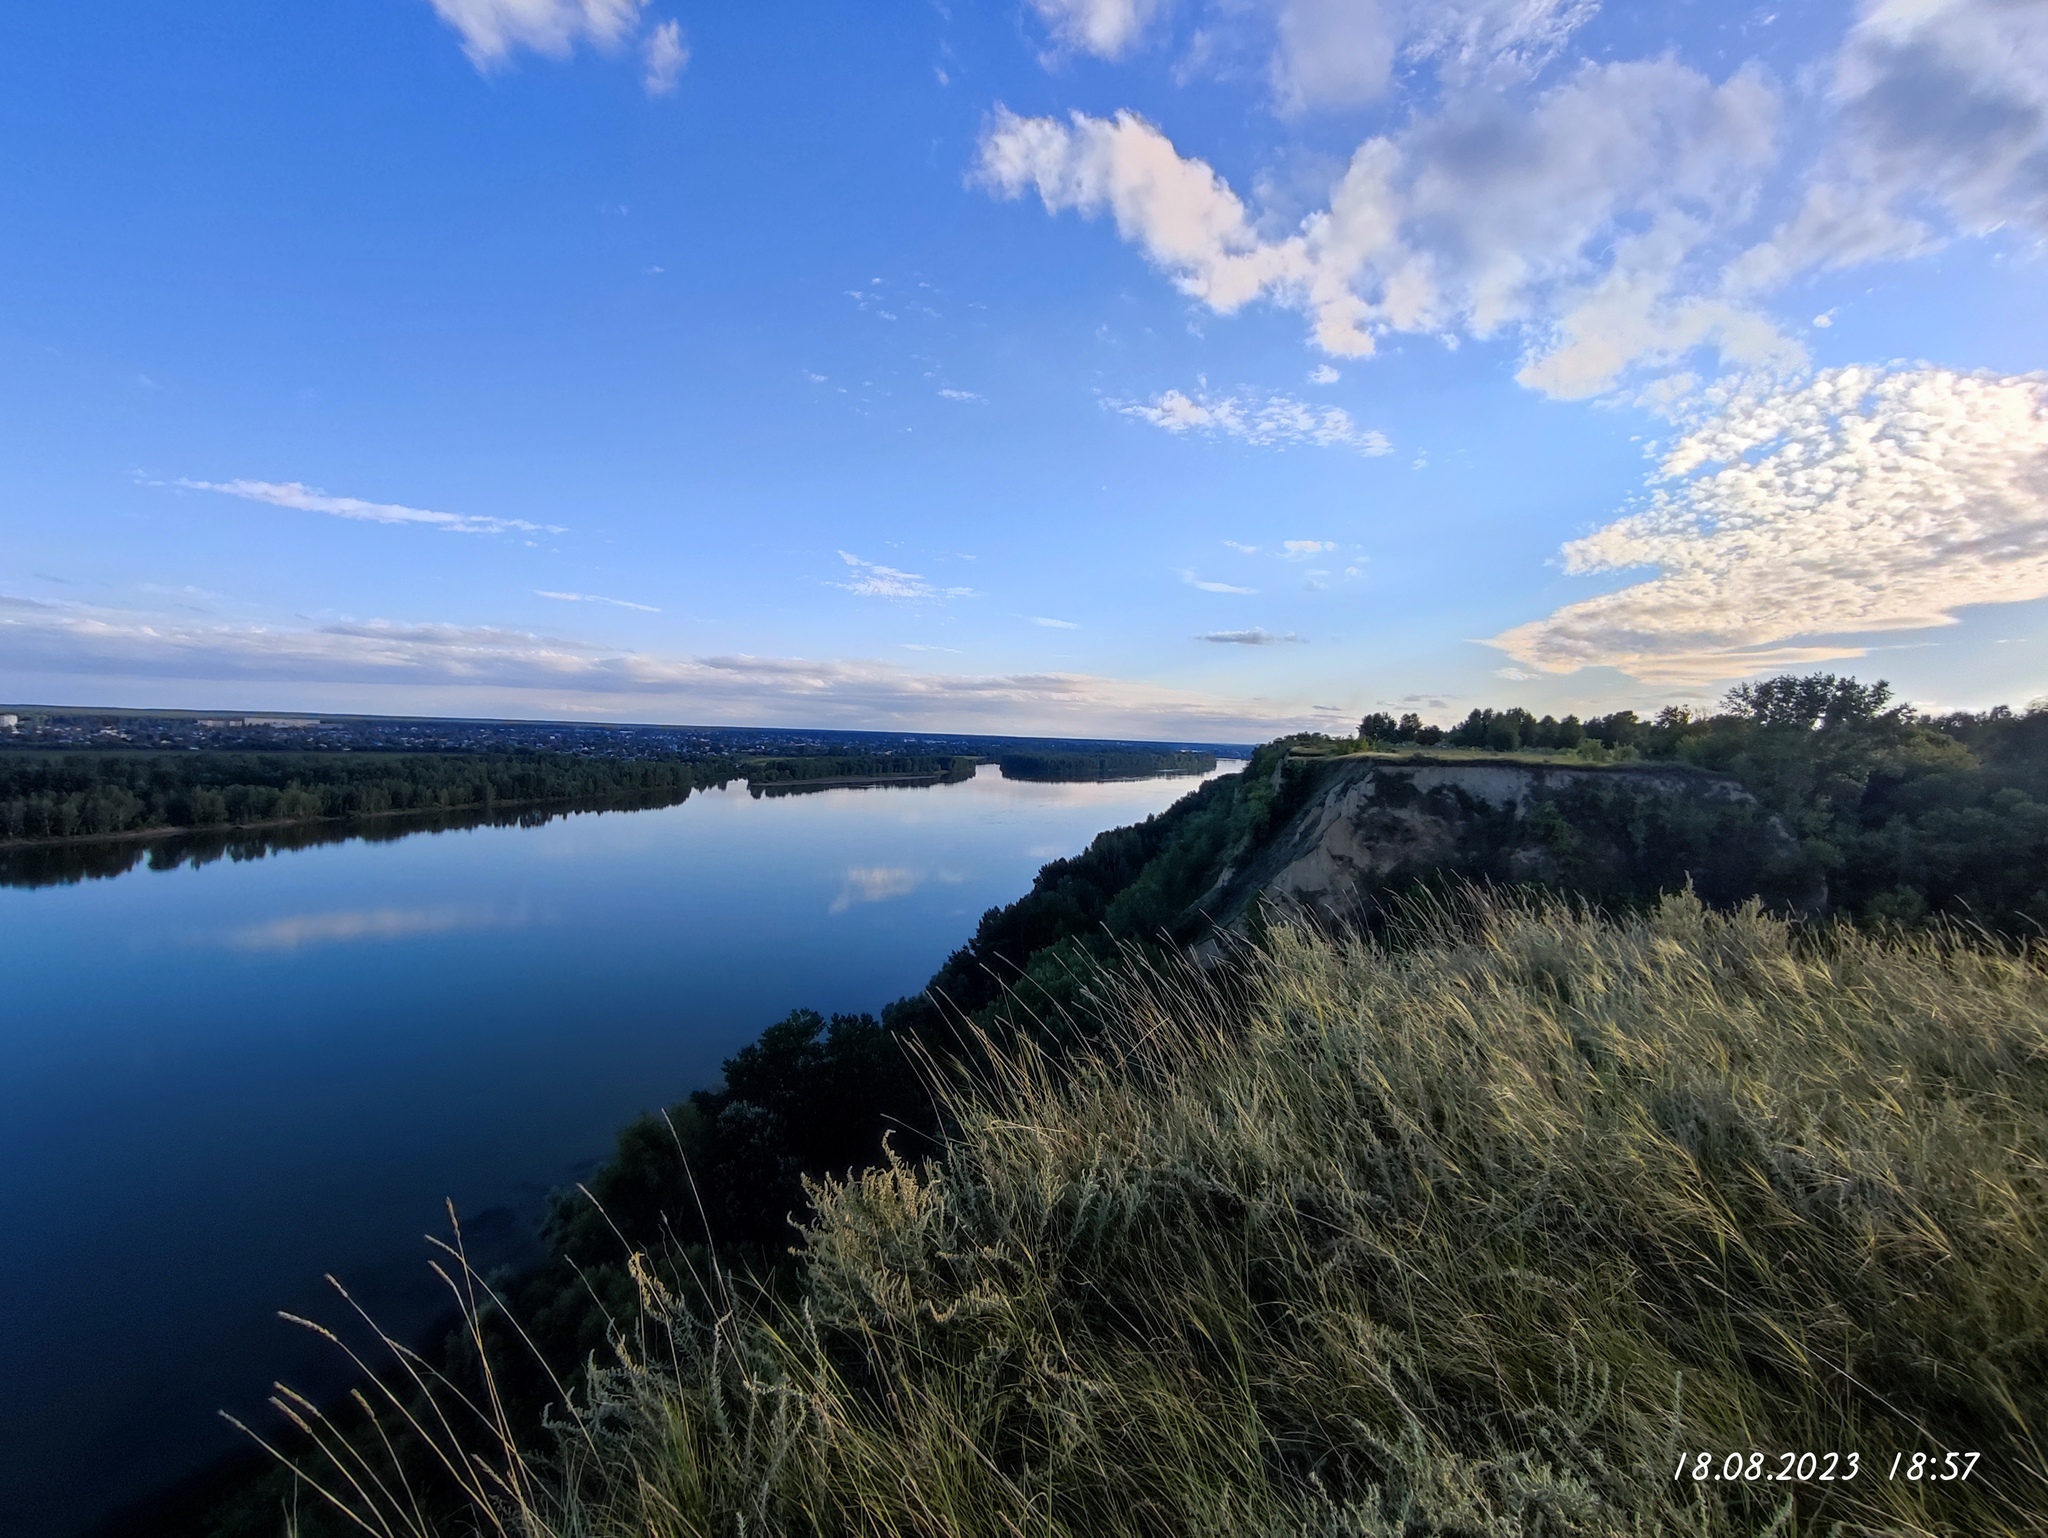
(1477, 1230)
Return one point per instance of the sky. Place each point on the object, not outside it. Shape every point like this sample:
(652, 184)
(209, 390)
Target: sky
(1168, 368)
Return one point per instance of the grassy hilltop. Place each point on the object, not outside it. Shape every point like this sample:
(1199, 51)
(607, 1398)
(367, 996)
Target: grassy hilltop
(1488, 1230)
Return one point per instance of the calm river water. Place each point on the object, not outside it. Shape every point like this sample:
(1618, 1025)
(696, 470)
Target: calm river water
(219, 1081)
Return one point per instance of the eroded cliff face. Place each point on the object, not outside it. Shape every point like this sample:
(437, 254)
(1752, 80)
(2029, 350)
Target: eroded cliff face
(1368, 825)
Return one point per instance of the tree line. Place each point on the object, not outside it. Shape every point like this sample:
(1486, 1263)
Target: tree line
(1903, 814)
(949, 767)
(1101, 766)
(48, 794)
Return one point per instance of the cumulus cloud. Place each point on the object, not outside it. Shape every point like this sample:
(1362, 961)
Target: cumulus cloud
(432, 666)
(872, 580)
(1332, 53)
(1306, 549)
(1105, 28)
(1580, 218)
(1270, 421)
(493, 30)
(1252, 637)
(1788, 522)
(617, 603)
(1053, 624)
(1610, 219)
(308, 499)
(1940, 127)
(1948, 99)
(666, 56)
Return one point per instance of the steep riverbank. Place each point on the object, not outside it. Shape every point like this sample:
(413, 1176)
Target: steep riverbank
(1372, 823)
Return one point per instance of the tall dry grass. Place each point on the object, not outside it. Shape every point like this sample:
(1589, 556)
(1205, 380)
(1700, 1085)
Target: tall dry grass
(1471, 1232)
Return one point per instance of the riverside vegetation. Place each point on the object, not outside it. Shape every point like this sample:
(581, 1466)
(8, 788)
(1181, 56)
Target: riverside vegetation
(1471, 1219)
(1101, 766)
(63, 795)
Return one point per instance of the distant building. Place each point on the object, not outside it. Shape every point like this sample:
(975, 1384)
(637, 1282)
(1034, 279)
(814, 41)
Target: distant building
(9, 723)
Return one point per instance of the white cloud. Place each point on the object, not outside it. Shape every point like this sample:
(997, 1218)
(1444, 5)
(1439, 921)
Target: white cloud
(1339, 54)
(1253, 637)
(666, 56)
(1273, 421)
(1856, 503)
(308, 499)
(872, 580)
(1947, 101)
(493, 30)
(439, 669)
(1241, 549)
(1582, 218)
(1332, 53)
(1181, 212)
(1054, 624)
(1940, 126)
(619, 603)
(1492, 41)
(1609, 220)
(1323, 374)
(1305, 549)
(962, 395)
(1213, 587)
(1105, 28)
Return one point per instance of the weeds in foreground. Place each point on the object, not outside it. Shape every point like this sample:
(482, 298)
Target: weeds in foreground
(1477, 1233)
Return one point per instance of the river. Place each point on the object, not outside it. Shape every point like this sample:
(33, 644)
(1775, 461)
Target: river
(221, 1077)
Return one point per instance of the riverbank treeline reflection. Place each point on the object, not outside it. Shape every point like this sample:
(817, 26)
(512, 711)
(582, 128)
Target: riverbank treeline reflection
(75, 860)
(67, 817)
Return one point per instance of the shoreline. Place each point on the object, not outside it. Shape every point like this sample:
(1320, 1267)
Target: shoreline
(847, 782)
(219, 829)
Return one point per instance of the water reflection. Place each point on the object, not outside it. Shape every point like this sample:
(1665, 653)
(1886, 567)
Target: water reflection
(61, 864)
(231, 1062)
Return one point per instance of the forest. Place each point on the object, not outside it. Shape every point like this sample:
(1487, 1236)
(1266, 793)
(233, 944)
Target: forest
(1904, 815)
(946, 768)
(1101, 766)
(94, 795)
(48, 794)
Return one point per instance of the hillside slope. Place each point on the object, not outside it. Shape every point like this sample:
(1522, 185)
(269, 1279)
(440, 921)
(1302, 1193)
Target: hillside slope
(1534, 1223)
(1369, 824)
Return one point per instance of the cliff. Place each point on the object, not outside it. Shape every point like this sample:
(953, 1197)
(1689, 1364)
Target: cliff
(1365, 825)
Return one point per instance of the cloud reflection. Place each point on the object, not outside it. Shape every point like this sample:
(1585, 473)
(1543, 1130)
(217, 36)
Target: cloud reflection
(874, 884)
(300, 931)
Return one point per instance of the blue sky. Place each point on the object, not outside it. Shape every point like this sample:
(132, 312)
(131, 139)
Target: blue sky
(1161, 367)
